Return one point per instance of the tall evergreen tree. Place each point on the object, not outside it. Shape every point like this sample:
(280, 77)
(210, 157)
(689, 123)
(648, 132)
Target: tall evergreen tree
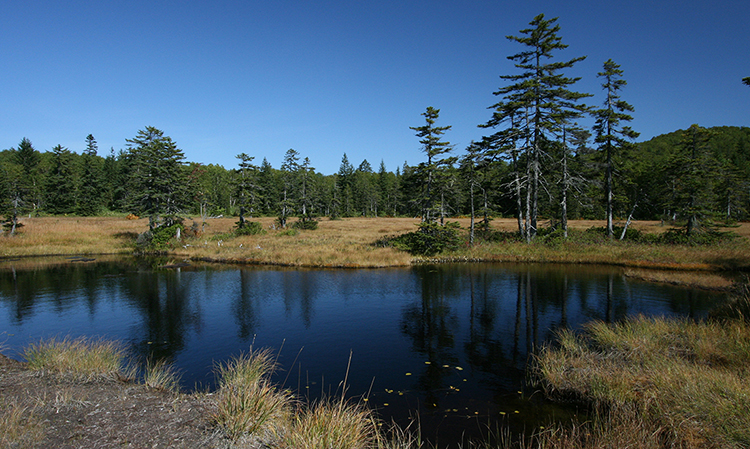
(89, 200)
(60, 183)
(290, 177)
(246, 187)
(746, 81)
(693, 178)
(157, 179)
(344, 185)
(538, 102)
(610, 135)
(29, 187)
(434, 148)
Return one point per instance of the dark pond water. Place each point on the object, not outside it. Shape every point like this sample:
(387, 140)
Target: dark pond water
(446, 343)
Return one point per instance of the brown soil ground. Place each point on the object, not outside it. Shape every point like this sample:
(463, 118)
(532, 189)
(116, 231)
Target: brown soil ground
(61, 412)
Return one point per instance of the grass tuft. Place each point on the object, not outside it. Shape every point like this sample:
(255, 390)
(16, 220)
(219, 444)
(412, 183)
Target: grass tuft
(248, 404)
(161, 375)
(19, 426)
(684, 380)
(332, 424)
(84, 358)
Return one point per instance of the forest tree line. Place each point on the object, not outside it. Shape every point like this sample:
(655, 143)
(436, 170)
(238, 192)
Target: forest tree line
(537, 164)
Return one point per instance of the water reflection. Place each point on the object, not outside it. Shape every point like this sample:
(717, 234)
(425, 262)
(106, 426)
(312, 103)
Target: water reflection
(449, 342)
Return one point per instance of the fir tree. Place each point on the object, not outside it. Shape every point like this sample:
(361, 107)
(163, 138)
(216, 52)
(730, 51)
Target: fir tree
(610, 135)
(157, 179)
(434, 149)
(538, 103)
(60, 187)
(90, 197)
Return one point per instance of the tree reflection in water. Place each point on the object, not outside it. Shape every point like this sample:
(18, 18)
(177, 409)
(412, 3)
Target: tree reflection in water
(463, 332)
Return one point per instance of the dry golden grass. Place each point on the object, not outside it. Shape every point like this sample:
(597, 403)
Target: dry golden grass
(689, 380)
(73, 235)
(336, 243)
(19, 426)
(350, 242)
(84, 358)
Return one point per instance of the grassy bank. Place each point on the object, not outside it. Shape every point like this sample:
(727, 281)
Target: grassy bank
(85, 393)
(654, 383)
(351, 242)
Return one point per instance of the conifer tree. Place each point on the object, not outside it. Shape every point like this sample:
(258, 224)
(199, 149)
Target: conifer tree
(157, 179)
(89, 200)
(29, 189)
(290, 177)
(246, 186)
(693, 177)
(60, 187)
(434, 149)
(537, 102)
(610, 135)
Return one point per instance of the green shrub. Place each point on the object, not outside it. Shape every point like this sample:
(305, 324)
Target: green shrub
(678, 236)
(429, 239)
(161, 238)
(249, 228)
(309, 224)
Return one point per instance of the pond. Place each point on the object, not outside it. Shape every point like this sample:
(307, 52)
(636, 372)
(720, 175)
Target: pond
(445, 344)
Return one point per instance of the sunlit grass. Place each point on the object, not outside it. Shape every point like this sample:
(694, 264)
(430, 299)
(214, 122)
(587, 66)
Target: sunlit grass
(351, 242)
(83, 358)
(161, 375)
(73, 235)
(333, 424)
(687, 380)
(248, 404)
(19, 425)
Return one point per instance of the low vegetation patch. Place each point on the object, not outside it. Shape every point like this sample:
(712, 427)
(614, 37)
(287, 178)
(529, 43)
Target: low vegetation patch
(83, 358)
(430, 239)
(683, 382)
(249, 406)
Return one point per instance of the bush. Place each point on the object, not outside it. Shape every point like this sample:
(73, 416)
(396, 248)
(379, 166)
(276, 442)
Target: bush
(250, 228)
(161, 238)
(309, 224)
(429, 239)
(676, 236)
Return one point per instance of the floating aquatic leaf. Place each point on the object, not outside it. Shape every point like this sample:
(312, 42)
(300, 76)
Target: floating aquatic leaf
(427, 363)
(459, 368)
(408, 374)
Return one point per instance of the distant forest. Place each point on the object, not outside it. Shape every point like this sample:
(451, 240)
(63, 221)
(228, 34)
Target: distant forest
(653, 178)
(536, 164)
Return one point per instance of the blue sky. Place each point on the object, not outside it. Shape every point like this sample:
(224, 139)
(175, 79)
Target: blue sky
(334, 77)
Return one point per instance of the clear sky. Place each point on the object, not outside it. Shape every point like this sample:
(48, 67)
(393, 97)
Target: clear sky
(329, 77)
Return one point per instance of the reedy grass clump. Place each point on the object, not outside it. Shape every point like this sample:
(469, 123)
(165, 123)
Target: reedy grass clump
(19, 425)
(332, 424)
(84, 358)
(248, 404)
(161, 375)
(686, 380)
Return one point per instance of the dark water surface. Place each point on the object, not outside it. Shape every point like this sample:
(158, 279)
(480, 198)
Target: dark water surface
(448, 343)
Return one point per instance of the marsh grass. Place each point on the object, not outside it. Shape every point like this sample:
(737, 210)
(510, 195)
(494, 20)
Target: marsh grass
(332, 424)
(248, 404)
(686, 380)
(352, 242)
(161, 375)
(83, 358)
(19, 425)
